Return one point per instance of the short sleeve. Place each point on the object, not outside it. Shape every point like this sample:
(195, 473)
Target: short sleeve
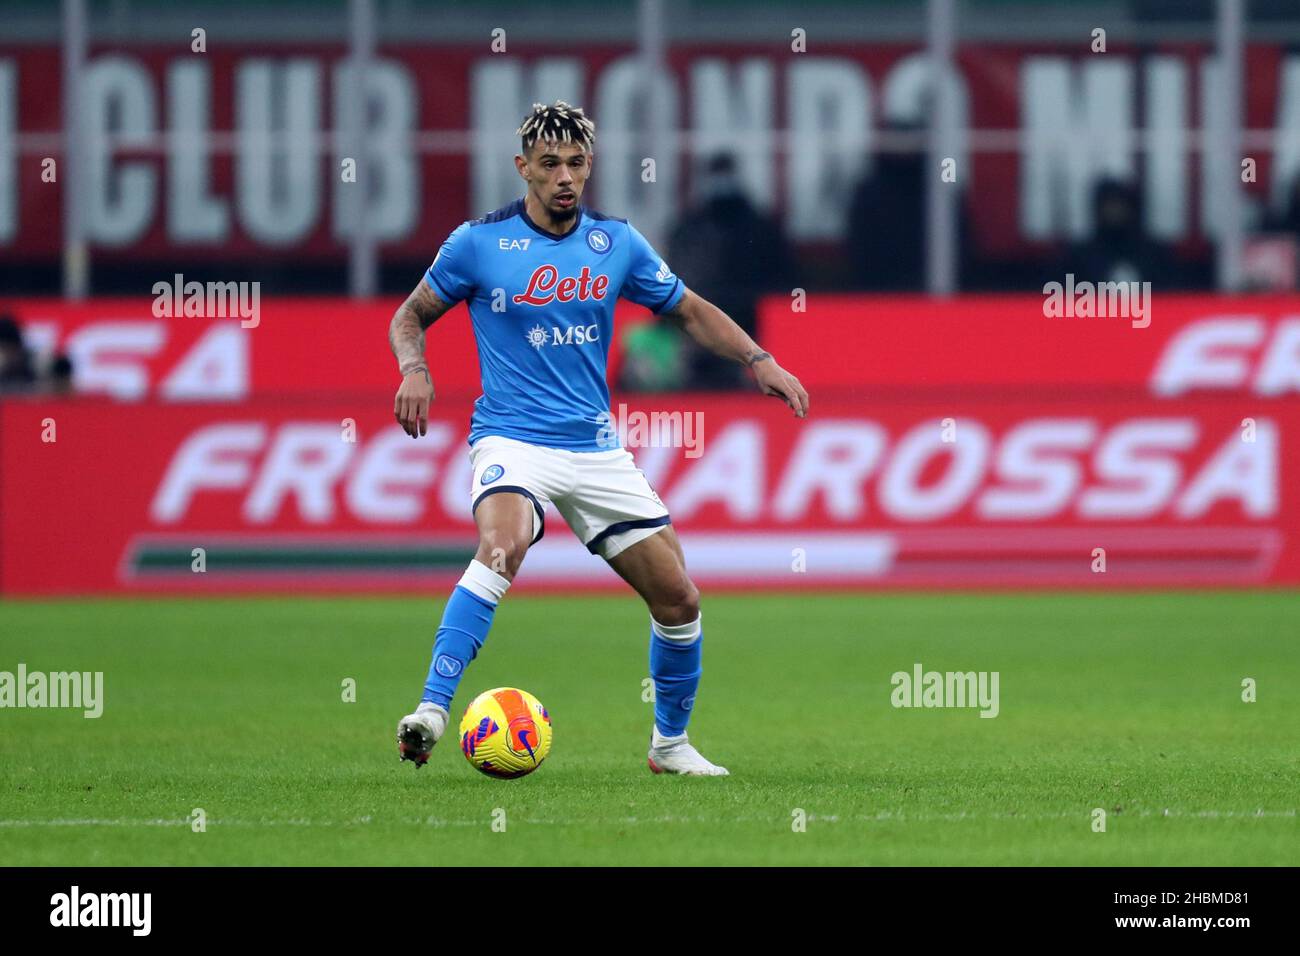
(452, 272)
(649, 281)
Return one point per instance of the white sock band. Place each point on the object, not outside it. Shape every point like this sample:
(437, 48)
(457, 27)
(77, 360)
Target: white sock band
(681, 633)
(482, 581)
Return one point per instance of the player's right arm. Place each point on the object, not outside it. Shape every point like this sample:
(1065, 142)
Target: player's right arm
(449, 280)
(421, 309)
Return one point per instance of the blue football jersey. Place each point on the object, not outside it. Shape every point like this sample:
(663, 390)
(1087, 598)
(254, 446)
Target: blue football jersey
(542, 308)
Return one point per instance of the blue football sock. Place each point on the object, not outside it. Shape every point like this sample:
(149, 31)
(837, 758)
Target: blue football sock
(465, 624)
(675, 654)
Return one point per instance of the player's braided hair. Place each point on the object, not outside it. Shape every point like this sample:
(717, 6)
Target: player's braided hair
(558, 123)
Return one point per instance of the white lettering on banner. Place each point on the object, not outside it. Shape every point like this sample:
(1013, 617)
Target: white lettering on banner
(732, 474)
(1244, 471)
(392, 477)
(457, 473)
(1036, 483)
(1129, 458)
(901, 494)
(1079, 116)
(832, 459)
(305, 463)
(107, 356)
(1218, 353)
(277, 167)
(1038, 469)
(1279, 372)
(113, 357)
(216, 366)
(390, 171)
(121, 195)
(1078, 126)
(8, 150)
(193, 213)
(205, 460)
(1207, 354)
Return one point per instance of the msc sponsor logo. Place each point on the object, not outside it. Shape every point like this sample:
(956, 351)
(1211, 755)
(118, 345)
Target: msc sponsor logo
(545, 286)
(572, 335)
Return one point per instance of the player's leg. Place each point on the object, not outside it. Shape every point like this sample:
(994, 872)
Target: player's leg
(615, 512)
(656, 569)
(505, 525)
(509, 516)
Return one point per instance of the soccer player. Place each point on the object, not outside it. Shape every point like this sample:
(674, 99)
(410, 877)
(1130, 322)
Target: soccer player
(541, 276)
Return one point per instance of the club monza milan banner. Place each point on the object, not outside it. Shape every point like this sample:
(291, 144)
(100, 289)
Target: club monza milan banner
(1194, 345)
(227, 155)
(1009, 490)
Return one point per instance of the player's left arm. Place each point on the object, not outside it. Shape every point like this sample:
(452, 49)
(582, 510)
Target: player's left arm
(714, 330)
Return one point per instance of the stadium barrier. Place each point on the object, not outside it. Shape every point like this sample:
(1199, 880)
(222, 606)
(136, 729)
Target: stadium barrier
(970, 344)
(1017, 490)
(973, 442)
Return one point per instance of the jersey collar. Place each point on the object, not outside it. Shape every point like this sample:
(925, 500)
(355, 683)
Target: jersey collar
(577, 225)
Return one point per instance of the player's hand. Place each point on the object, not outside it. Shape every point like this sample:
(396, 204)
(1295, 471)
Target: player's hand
(412, 403)
(774, 380)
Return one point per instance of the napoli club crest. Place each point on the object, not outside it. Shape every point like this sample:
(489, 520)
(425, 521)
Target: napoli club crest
(492, 474)
(599, 241)
(446, 666)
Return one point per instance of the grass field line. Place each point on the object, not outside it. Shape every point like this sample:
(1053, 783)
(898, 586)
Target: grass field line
(882, 817)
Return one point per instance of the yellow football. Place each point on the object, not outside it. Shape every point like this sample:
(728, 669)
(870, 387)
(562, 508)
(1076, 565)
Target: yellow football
(506, 732)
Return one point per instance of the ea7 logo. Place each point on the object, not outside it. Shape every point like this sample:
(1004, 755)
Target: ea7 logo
(513, 245)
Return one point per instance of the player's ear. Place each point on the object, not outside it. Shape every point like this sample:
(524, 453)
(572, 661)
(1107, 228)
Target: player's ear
(521, 164)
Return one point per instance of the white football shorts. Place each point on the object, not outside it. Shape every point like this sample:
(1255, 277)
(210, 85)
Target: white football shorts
(603, 495)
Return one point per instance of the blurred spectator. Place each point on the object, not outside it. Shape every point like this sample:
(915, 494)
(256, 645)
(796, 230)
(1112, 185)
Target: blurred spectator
(729, 252)
(22, 373)
(58, 380)
(887, 227)
(1270, 258)
(653, 359)
(887, 216)
(1288, 220)
(17, 373)
(1119, 249)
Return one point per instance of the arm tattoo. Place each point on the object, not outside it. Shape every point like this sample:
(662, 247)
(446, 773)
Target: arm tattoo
(752, 357)
(406, 331)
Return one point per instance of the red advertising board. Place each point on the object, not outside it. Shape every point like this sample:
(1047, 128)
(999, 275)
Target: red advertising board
(1193, 345)
(1014, 489)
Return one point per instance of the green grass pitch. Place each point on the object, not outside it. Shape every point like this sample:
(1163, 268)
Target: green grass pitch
(1127, 702)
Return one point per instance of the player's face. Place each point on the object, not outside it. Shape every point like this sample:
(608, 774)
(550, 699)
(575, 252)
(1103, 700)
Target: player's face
(556, 174)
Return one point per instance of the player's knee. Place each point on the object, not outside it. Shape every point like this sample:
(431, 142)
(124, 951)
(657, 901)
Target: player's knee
(502, 551)
(680, 605)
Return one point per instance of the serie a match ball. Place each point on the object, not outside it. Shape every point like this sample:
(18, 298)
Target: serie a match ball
(506, 732)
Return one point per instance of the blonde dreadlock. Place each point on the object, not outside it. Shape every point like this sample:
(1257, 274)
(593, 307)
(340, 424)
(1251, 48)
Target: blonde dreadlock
(559, 123)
